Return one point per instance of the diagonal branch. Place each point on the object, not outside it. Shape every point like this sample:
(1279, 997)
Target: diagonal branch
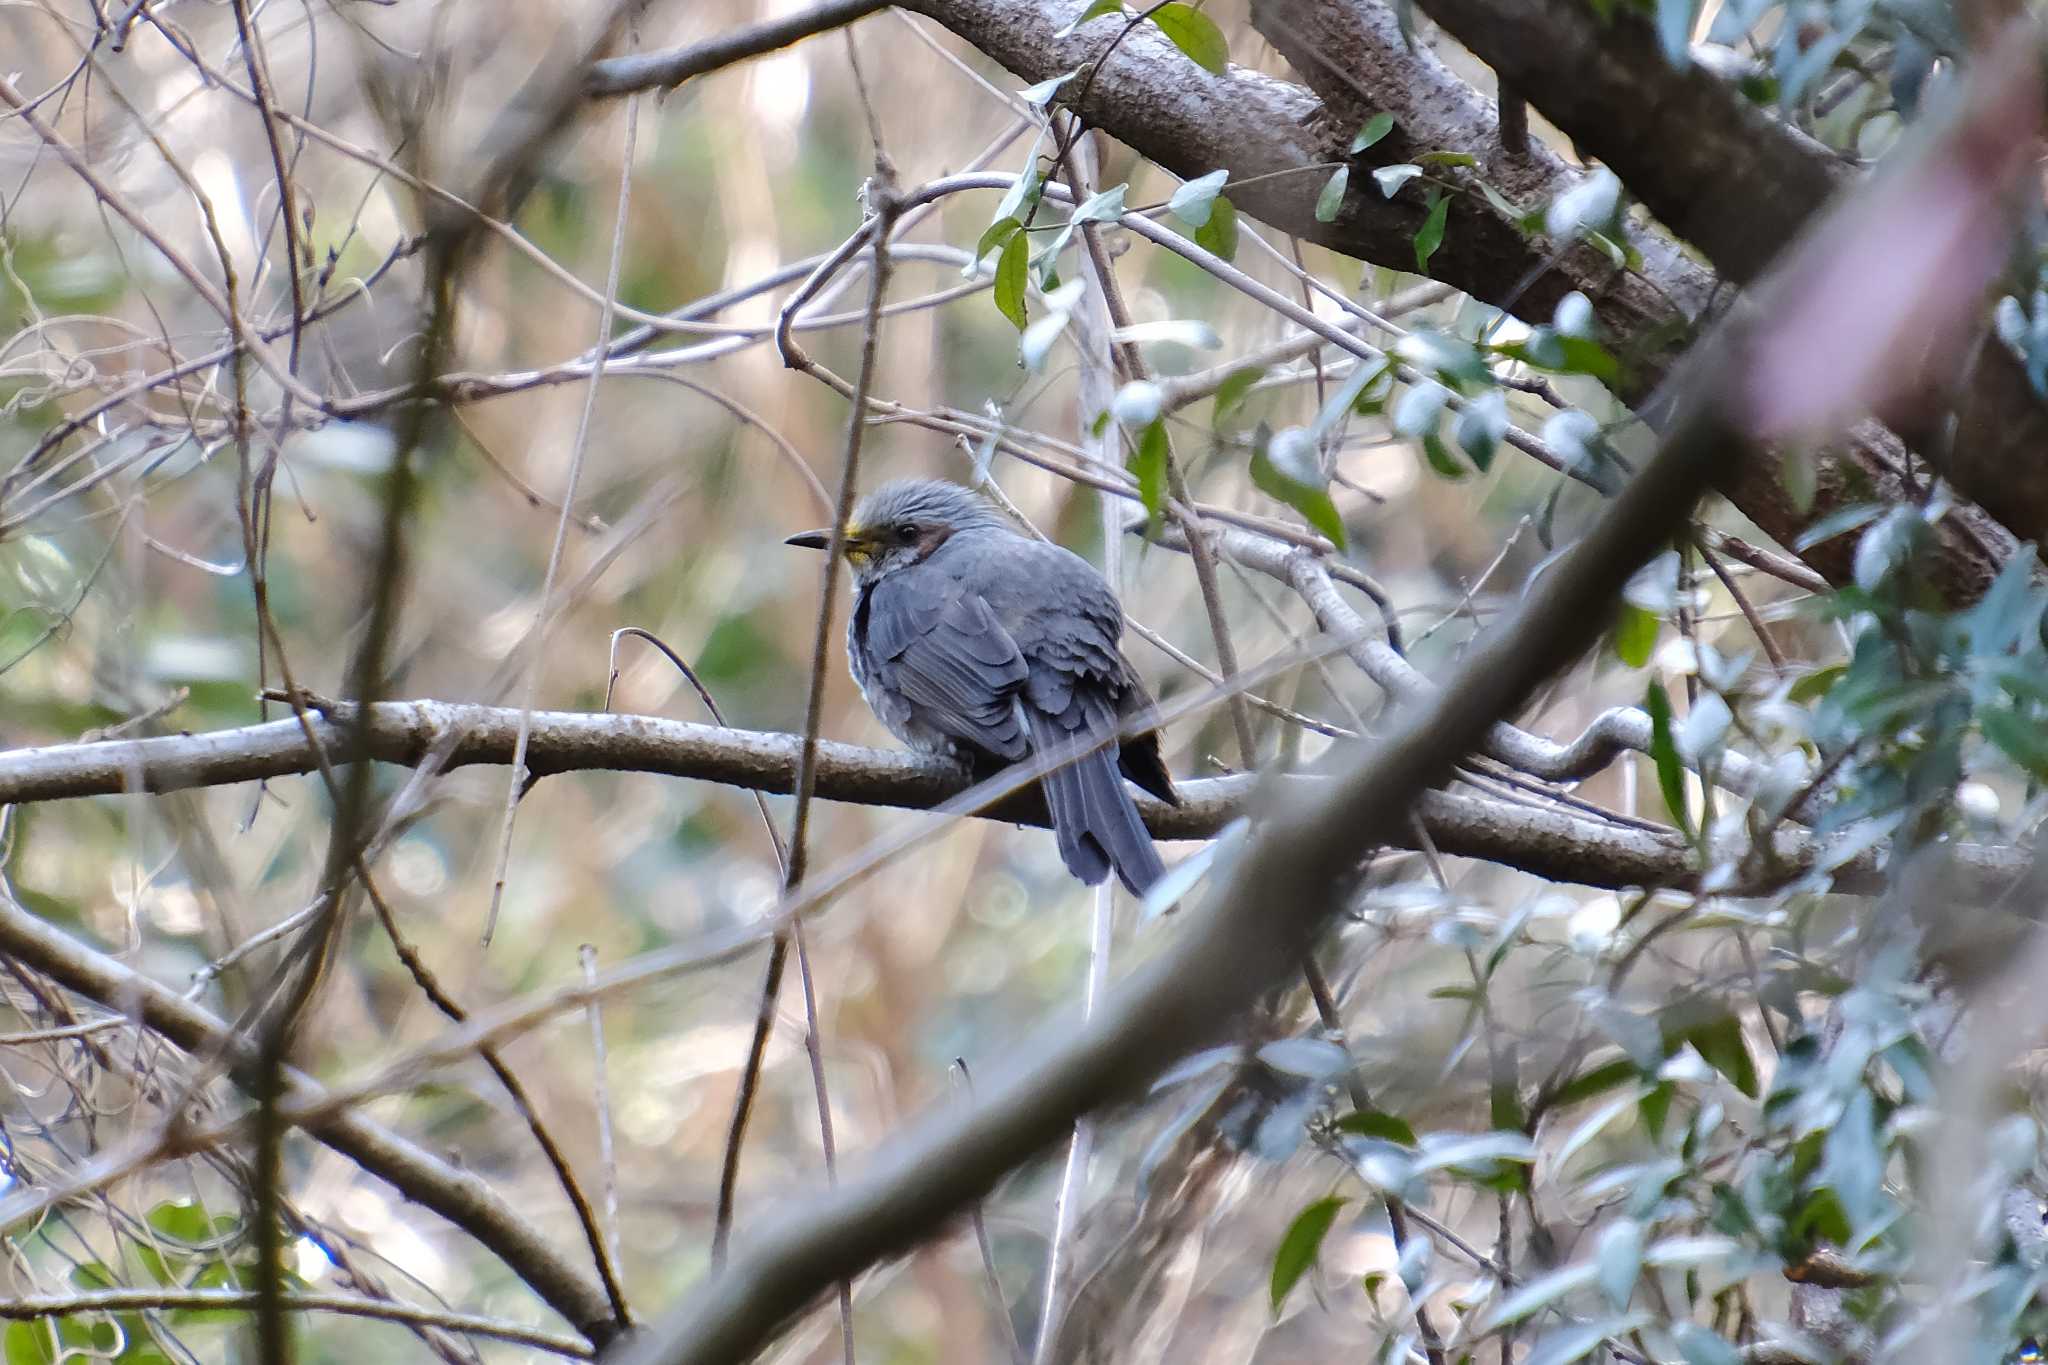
(1264, 919)
(1295, 873)
(1738, 184)
(1280, 141)
(464, 1198)
(666, 70)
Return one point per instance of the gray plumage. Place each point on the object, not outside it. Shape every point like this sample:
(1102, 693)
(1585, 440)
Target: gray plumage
(972, 640)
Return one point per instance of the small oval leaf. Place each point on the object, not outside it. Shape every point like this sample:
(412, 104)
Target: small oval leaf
(1301, 1244)
(1376, 127)
(1192, 202)
(1194, 33)
(1332, 197)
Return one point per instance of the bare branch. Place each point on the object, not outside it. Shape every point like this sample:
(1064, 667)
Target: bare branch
(1739, 184)
(1548, 843)
(666, 70)
(465, 1198)
(231, 1300)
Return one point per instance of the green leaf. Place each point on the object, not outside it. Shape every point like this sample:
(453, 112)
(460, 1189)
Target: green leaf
(1721, 1043)
(1430, 235)
(1670, 772)
(1447, 159)
(1635, 635)
(183, 1219)
(1507, 209)
(1194, 33)
(1374, 1124)
(1093, 12)
(1231, 393)
(1613, 250)
(1148, 463)
(2019, 738)
(1839, 522)
(1591, 1127)
(1474, 1153)
(1620, 1260)
(1655, 1107)
(1540, 1293)
(1702, 1346)
(28, 1343)
(1548, 349)
(1313, 502)
(1020, 201)
(1821, 1217)
(1597, 1081)
(1103, 207)
(1392, 178)
(1481, 427)
(1218, 236)
(1192, 202)
(1332, 197)
(1376, 127)
(1504, 1102)
(1816, 684)
(1440, 458)
(1041, 94)
(999, 234)
(1346, 398)
(1011, 269)
(1299, 1247)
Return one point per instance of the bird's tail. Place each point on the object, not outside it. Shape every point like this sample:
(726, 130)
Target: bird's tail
(1093, 817)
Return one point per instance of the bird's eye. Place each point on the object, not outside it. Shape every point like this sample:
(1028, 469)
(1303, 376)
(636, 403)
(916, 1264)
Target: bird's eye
(906, 531)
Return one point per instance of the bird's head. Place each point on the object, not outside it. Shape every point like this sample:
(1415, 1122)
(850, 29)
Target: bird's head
(901, 523)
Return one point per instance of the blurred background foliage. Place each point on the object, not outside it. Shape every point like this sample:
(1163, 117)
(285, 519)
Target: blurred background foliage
(1656, 1120)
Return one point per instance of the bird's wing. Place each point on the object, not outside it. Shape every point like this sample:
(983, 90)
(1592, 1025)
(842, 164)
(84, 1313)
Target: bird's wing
(1066, 621)
(942, 650)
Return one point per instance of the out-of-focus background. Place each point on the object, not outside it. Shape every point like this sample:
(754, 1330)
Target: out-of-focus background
(128, 603)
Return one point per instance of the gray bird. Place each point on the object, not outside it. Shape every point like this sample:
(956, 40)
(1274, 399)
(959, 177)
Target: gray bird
(976, 642)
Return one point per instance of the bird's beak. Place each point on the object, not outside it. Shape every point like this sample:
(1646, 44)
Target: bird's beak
(811, 540)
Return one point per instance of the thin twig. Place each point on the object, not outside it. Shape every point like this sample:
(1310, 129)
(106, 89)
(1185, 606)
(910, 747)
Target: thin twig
(601, 1102)
(83, 1301)
(886, 209)
(537, 645)
(666, 70)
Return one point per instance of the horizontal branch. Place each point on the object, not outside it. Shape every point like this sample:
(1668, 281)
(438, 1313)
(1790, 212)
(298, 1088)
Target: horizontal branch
(1546, 841)
(1295, 874)
(242, 1300)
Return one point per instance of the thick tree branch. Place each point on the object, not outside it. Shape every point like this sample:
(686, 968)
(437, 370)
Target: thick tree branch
(1261, 922)
(1294, 873)
(1280, 143)
(1739, 185)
